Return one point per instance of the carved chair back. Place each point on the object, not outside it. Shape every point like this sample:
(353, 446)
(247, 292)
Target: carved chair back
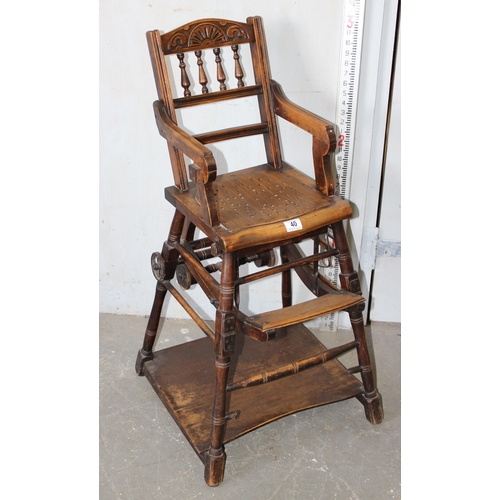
(205, 38)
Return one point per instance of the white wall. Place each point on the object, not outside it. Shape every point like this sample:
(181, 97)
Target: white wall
(303, 44)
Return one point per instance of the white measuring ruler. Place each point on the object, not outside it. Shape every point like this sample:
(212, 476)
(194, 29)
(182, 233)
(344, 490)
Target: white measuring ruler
(350, 60)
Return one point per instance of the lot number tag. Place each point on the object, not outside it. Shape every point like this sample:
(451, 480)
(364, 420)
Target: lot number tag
(293, 225)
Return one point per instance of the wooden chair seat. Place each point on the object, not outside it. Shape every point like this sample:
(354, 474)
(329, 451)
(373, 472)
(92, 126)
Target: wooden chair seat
(251, 369)
(254, 204)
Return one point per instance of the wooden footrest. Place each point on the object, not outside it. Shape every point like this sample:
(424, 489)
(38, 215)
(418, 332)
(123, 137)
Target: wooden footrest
(305, 311)
(183, 376)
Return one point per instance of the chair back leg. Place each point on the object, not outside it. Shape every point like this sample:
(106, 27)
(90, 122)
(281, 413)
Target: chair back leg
(164, 265)
(286, 282)
(349, 279)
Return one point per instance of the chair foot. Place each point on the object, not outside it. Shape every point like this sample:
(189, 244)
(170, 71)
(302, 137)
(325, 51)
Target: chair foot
(142, 357)
(374, 410)
(215, 462)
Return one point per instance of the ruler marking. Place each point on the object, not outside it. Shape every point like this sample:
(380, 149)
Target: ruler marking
(352, 22)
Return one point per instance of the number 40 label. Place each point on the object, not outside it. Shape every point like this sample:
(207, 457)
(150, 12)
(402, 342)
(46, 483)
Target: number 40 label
(293, 225)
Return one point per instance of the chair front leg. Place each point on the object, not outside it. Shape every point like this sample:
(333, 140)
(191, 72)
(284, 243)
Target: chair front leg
(225, 325)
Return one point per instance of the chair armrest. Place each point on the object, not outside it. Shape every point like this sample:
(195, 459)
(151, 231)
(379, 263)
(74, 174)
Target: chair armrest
(318, 127)
(204, 170)
(323, 132)
(188, 145)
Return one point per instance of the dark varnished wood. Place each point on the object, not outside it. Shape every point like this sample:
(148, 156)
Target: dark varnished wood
(286, 266)
(184, 142)
(238, 70)
(231, 133)
(305, 311)
(350, 281)
(238, 230)
(202, 77)
(184, 76)
(292, 368)
(206, 281)
(221, 76)
(224, 344)
(205, 34)
(286, 281)
(324, 139)
(262, 72)
(163, 88)
(251, 368)
(191, 406)
(238, 93)
(169, 257)
(187, 307)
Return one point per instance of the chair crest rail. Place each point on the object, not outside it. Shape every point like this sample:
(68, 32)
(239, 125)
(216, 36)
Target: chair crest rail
(206, 33)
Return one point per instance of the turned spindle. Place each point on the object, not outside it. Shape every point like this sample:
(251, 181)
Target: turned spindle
(201, 72)
(184, 76)
(238, 71)
(221, 77)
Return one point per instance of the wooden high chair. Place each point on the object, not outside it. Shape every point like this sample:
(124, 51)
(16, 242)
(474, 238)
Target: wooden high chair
(249, 370)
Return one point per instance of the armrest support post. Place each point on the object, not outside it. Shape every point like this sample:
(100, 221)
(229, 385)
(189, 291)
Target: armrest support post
(206, 195)
(324, 167)
(323, 132)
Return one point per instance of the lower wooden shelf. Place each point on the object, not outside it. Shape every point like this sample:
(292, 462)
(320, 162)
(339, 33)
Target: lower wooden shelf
(183, 377)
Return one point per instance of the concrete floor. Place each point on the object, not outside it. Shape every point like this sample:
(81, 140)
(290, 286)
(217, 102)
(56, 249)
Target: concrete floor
(329, 452)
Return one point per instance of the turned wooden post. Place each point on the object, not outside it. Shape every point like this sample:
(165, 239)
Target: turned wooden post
(201, 72)
(286, 281)
(225, 325)
(238, 71)
(349, 280)
(146, 353)
(184, 76)
(221, 77)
